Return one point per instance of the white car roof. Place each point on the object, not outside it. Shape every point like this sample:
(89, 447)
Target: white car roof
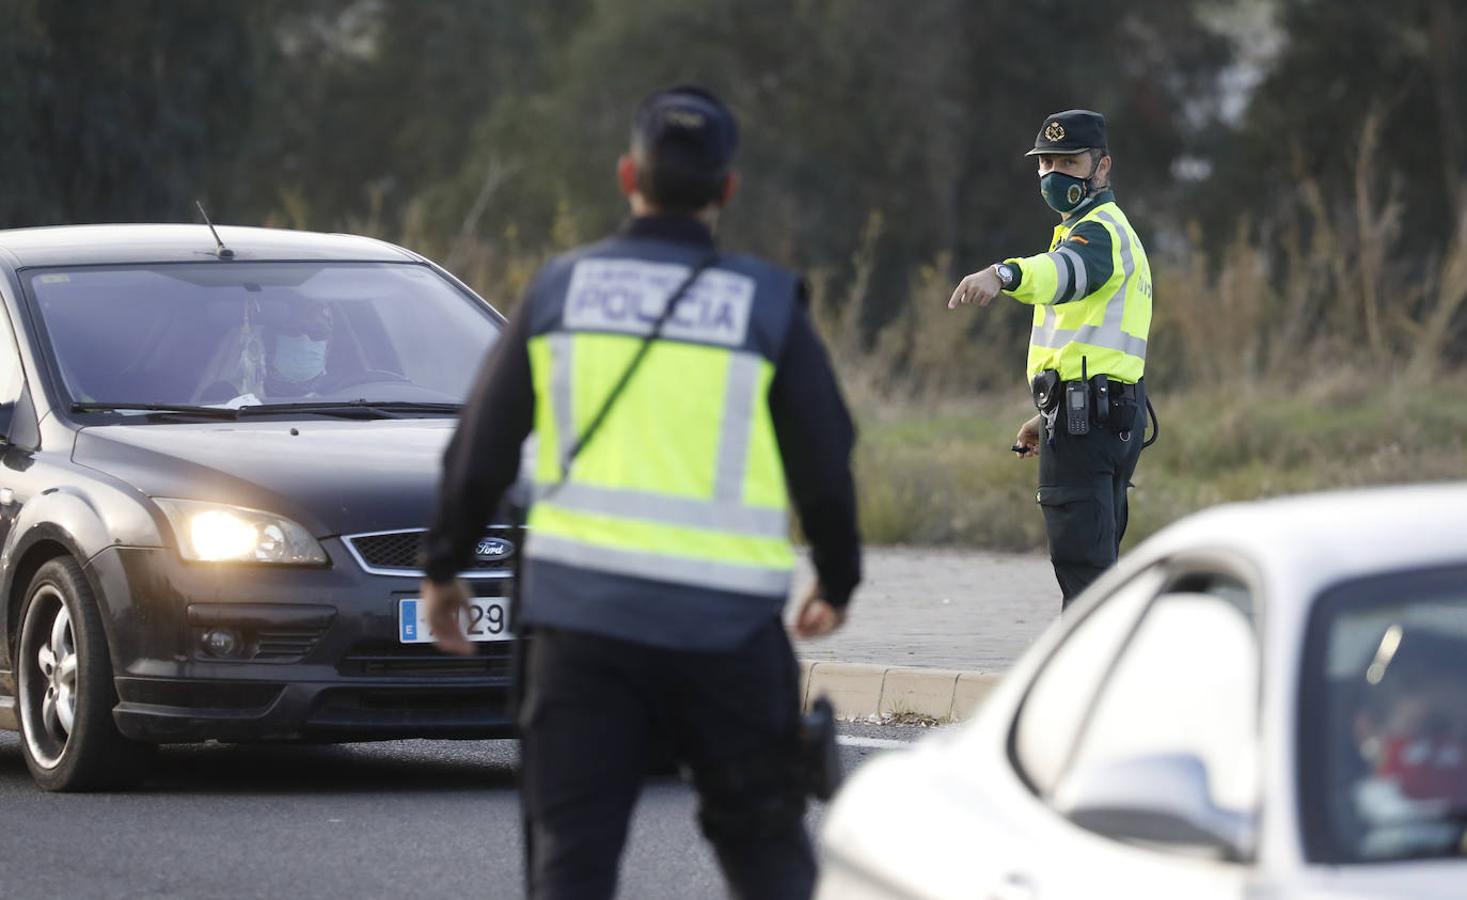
(1314, 540)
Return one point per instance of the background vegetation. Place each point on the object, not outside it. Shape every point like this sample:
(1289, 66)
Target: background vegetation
(1296, 168)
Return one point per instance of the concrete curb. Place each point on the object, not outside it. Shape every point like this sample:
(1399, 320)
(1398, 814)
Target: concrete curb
(858, 690)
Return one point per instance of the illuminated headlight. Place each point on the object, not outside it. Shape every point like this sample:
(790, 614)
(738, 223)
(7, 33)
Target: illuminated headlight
(216, 532)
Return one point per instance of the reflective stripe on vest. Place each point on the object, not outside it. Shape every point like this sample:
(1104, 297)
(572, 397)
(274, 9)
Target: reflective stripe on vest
(682, 484)
(1071, 270)
(744, 579)
(1128, 357)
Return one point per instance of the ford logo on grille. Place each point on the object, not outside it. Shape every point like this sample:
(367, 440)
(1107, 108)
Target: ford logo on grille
(492, 549)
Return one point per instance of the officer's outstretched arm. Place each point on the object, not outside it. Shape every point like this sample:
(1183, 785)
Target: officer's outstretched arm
(1081, 265)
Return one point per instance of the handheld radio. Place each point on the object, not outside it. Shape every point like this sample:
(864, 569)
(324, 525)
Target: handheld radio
(1077, 403)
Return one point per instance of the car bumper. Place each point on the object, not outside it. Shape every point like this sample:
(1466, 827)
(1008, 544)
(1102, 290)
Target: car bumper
(320, 657)
(199, 709)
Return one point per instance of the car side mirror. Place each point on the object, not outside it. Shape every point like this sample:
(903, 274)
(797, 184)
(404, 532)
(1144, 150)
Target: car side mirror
(1161, 799)
(19, 427)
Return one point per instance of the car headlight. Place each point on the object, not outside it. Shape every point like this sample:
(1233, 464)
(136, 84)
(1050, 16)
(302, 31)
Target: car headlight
(218, 532)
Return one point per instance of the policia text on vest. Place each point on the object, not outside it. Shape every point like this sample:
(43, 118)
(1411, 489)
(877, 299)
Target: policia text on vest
(1091, 294)
(678, 414)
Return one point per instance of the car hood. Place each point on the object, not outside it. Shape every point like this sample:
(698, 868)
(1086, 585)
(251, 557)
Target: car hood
(333, 477)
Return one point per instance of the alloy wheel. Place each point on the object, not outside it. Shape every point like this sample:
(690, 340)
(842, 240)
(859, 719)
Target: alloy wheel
(48, 677)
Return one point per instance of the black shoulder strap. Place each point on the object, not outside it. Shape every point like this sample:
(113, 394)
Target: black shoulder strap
(626, 376)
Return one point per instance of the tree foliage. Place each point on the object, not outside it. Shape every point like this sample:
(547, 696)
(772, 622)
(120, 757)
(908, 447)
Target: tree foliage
(881, 140)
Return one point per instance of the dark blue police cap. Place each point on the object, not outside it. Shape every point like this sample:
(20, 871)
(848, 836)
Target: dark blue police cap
(1069, 132)
(690, 121)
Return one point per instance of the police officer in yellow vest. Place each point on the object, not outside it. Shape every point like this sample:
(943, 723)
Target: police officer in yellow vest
(1091, 295)
(680, 400)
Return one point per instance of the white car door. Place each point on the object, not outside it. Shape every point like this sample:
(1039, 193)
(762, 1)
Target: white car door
(1141, 769)
(1036, 798)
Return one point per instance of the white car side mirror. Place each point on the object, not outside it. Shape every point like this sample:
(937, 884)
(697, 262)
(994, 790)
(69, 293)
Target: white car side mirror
(1161, 799)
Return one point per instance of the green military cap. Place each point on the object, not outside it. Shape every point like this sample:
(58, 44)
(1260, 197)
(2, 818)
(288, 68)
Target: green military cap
(1069, 132)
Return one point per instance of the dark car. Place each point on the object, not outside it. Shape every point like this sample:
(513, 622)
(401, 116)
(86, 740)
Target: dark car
(218, 465)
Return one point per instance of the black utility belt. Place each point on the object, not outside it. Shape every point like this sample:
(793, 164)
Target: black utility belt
(1100, 400)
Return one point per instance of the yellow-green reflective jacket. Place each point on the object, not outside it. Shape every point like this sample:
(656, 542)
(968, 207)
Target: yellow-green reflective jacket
(679, 499)
(1091, 295)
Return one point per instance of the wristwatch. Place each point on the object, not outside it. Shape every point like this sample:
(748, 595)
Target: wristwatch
(1005, 273)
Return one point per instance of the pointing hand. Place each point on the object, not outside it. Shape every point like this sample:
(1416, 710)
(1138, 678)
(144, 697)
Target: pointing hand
(981, 286)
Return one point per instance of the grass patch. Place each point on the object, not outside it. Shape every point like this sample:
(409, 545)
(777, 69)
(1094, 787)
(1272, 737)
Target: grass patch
(941, 472)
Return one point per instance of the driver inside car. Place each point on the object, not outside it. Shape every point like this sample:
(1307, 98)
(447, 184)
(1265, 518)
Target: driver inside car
(286, 359)
(1411, 735)
(296, 351)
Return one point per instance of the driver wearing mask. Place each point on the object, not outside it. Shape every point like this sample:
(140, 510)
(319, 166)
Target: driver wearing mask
(296, 350)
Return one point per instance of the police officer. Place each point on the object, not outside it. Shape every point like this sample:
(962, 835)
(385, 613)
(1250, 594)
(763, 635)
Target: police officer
(669, 436)
(1091, 295)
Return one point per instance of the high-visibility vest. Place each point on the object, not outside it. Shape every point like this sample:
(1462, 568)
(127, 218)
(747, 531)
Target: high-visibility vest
(1107, 328)
(682, 490)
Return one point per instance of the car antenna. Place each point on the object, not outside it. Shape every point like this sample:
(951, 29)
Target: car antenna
(222, 252)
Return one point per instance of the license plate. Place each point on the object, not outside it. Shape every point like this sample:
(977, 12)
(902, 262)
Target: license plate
(486, 619)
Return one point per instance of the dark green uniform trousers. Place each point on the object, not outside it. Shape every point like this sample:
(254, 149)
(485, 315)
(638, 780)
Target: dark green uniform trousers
(1082, 490)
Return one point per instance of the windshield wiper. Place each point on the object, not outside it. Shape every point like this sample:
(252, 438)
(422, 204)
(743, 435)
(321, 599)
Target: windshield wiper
(159, 409)
(352, 409)
(349, 409)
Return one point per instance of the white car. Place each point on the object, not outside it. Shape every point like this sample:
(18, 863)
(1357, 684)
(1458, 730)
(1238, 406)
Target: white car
(1265, 700)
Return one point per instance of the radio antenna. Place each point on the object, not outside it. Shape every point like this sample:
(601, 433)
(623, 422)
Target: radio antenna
(222, 251)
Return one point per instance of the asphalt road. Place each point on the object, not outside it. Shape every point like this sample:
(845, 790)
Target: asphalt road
(407, 818)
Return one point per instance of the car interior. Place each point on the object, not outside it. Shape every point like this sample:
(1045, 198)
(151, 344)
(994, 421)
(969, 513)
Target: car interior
(166, 351)
(1396, 677)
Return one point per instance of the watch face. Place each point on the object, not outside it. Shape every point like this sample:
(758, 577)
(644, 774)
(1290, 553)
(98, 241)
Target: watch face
(1006, 274)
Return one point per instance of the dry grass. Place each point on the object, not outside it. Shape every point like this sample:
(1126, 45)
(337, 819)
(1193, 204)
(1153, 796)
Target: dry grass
(942, 473)
(1300, 355)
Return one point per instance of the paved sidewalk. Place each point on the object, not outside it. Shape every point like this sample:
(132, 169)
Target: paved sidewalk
(940, 608)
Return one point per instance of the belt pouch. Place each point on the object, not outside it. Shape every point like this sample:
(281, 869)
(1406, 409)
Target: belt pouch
(1045, 387)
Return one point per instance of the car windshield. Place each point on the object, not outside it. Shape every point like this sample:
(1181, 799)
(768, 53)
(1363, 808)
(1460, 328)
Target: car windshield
(1384, 744)
(235, 335)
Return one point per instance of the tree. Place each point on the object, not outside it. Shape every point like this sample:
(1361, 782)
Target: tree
(128, 111)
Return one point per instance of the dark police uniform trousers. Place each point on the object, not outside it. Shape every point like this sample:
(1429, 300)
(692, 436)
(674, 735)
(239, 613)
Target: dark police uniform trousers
(1083, 481)
(599, 712)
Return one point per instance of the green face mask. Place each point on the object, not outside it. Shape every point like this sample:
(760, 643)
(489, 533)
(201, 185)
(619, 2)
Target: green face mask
(1064, 192)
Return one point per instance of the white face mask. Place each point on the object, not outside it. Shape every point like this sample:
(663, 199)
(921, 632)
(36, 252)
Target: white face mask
(298, 358)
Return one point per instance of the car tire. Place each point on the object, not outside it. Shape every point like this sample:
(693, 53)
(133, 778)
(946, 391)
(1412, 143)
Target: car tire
(66, 693)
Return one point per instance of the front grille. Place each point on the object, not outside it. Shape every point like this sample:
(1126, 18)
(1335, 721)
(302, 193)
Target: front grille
(415, 709)
(281, 643)
(420, 700)
(376, 658)
(199, 694)
(285, 643)
(400, 552)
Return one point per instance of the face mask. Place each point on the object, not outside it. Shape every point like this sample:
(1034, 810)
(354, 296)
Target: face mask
(1065, 192)
(298, 358)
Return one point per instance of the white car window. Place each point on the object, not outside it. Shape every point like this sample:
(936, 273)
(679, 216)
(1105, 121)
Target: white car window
(1058, 698)
(1186, 683)
(1383, 760)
